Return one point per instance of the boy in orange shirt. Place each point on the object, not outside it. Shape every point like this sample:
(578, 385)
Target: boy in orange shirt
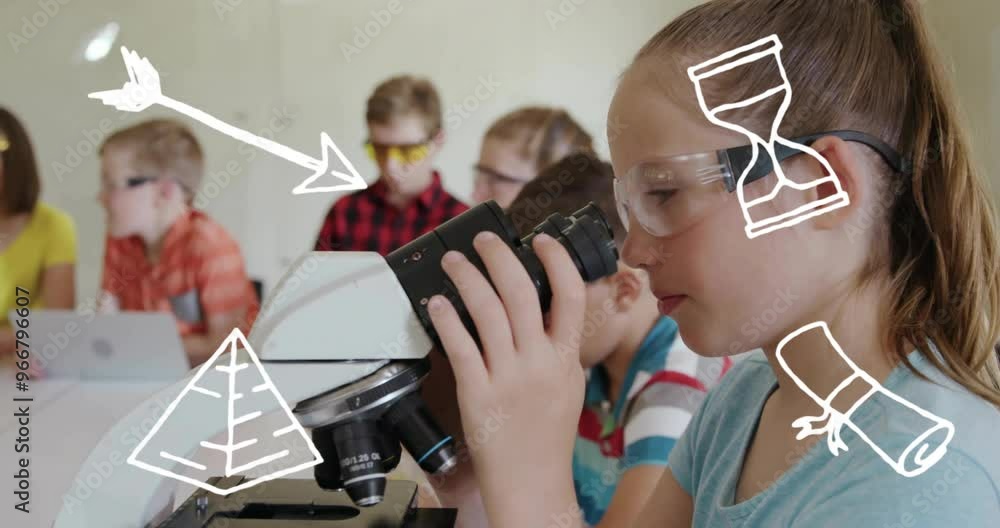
(162, 255)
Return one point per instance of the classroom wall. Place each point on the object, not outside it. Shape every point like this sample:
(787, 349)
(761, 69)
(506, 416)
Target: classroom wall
(968, 32)
(282, 66)
(293, 68)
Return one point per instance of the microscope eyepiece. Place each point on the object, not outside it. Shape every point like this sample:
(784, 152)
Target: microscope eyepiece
(586, 235)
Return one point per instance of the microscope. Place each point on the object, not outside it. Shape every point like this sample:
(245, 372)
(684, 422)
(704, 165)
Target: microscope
(345, 338)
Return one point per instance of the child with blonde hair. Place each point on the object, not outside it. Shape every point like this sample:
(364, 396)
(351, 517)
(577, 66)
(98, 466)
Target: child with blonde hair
(904, 275)
(162, 255)
(522, 143)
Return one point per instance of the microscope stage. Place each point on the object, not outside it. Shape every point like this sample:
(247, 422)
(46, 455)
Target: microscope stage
(301, 503)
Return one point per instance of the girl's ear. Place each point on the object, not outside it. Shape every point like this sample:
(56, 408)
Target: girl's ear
(850, 170)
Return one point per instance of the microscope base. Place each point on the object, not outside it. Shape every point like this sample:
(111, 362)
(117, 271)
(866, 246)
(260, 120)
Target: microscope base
(301, 503)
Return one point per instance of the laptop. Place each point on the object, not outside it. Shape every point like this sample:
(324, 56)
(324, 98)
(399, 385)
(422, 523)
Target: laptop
(126, 346)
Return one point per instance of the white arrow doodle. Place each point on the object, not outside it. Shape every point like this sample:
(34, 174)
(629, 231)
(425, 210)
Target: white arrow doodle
(142, 90)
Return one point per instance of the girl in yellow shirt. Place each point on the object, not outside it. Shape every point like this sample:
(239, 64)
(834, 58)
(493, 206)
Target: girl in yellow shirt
(37, 241)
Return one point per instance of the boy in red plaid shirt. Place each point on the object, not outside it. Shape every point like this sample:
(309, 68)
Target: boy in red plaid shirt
(404, 136)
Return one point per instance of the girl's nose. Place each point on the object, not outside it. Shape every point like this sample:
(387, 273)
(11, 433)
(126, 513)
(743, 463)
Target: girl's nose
(642, 250)
(629, 254)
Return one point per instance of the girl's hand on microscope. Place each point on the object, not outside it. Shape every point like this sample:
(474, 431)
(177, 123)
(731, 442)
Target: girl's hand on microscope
(520, 397)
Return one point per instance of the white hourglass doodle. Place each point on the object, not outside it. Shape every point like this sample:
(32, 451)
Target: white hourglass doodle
(757, 223)
(931, 433)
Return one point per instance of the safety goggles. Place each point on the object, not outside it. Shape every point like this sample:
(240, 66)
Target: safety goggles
(4, 143)
(402, 153)
(670, 194)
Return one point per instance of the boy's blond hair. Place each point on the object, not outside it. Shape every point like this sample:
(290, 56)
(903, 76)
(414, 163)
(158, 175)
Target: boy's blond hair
(406, 95)
(163, 146)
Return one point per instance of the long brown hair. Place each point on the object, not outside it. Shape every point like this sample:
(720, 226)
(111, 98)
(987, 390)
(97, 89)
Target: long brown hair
(545, 134)
(937, 238)
(21, 184)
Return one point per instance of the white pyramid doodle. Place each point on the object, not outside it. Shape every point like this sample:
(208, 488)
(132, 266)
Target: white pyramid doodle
(226, 386)
(764, 49)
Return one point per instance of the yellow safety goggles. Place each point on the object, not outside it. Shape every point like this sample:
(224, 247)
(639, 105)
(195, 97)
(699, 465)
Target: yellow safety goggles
(409, 154)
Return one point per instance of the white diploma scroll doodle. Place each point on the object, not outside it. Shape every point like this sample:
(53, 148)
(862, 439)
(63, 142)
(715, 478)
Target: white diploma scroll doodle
(764, 49)
(142, 90)
(926, 449)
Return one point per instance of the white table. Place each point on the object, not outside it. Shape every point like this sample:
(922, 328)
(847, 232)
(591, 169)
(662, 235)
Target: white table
(67, 420)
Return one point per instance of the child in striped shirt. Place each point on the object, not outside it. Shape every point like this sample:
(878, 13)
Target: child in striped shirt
(643, 384)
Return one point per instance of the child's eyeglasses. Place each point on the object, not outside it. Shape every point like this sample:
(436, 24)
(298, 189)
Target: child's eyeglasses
(491, 176)
(130, 183)
(139, 180)
(667, 195)
(402, 153)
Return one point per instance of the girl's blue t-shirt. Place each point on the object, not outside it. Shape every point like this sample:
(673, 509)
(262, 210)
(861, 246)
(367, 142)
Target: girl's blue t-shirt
(857, 488)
